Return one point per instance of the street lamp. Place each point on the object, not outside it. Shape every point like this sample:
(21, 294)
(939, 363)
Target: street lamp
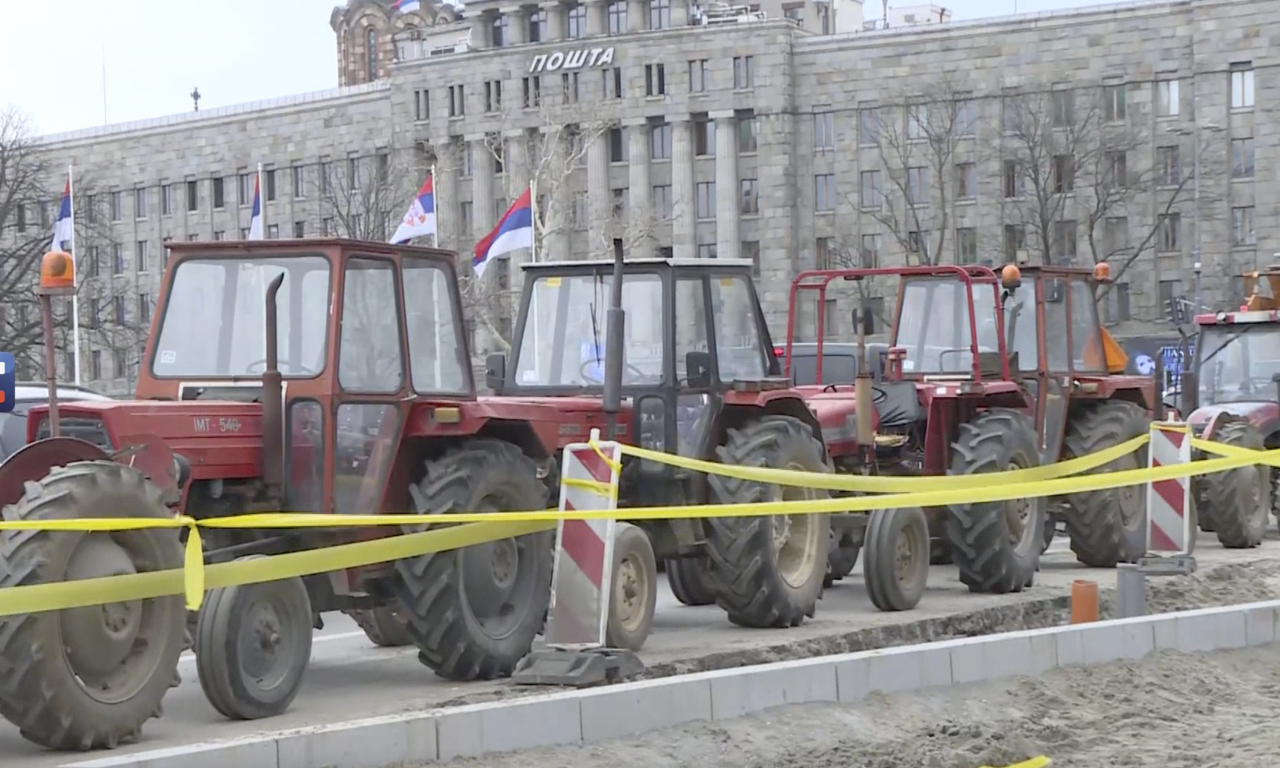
(1196, 264)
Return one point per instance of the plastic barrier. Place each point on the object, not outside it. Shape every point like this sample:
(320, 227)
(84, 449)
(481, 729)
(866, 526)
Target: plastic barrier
(195, 577)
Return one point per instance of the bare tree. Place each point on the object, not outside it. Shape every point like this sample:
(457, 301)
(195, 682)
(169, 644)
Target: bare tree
(365, 196)
(917, 143)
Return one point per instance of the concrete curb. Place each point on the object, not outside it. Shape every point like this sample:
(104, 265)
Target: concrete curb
(577, 717)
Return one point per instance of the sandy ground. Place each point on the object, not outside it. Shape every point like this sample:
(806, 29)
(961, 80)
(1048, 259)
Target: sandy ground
(1169, 710)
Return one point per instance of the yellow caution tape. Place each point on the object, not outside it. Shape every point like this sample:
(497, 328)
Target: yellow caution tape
(1035, 762)
(1235, 451)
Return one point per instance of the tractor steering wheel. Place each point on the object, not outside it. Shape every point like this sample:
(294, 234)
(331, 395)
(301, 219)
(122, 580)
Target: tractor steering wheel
(263, 362)
(582, 372)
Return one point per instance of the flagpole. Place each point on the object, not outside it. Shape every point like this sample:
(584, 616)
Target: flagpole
(75, 297)
(262, 203)
(533, 296)
(435, 284)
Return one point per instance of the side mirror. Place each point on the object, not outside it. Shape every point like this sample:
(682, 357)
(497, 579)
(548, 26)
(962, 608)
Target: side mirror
(697, 367)
(495, 371)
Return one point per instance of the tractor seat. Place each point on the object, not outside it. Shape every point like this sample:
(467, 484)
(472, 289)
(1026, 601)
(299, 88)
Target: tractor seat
(900, 404)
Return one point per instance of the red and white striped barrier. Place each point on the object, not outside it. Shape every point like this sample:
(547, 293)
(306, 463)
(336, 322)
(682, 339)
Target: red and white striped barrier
(580, 588)
(1169, 501)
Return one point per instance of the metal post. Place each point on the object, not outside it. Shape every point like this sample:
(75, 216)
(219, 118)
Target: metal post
(1131, 591)
(1195, 216)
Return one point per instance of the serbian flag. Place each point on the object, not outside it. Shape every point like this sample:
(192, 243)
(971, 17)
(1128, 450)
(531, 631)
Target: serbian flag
(406, 6)
(255, 219)
(64, 225)
(420, 219)
(514, 231)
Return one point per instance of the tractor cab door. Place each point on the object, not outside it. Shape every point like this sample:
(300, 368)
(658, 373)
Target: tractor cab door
(369, 405)
(1052, 377)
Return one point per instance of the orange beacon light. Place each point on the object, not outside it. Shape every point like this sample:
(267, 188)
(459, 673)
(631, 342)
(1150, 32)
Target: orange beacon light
(57, 274)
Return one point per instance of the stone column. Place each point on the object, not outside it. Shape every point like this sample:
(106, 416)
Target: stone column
(599, 198)
(481, 29)
(728, 237)
(517, 24)
(516, 167)
(637, 15)
(685, 213)
(448, 205)
(557, 21)
(679, 13)
(597, 21)
(640, 217)
(555, 241)
(482, 221)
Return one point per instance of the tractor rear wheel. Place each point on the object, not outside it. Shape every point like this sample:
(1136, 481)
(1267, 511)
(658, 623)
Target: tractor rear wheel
(996, 545)
(690, 580)
(383, 626)
(474, 612)
(1108, 526)
(1239, 500)
(768, 570)
(88, 678)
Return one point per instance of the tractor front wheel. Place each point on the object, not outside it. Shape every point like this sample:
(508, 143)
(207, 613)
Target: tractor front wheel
(996, 545)
(1108, 526)
(768, 570)
(474, 612)
(1239, 500)
(88, 678)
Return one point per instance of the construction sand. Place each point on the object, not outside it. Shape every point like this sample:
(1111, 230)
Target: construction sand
(1169, 710)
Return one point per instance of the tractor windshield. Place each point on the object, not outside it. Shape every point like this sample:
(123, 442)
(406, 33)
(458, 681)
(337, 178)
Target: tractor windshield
(933, 325)
(566, 327)
(215, 315)
(1238, 361)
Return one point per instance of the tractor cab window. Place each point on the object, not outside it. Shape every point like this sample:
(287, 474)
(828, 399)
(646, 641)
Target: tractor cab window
(692, 337)
(563, 340)
(1237, 362)
(1086, 334)
(1020, 320)
(739, 350)
(1057, 350)
(215, 315)
(933, 325)
(369, 349)
(436, 357)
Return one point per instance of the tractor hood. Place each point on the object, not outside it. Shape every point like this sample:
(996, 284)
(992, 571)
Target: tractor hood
(835, 412)
(1263, 415)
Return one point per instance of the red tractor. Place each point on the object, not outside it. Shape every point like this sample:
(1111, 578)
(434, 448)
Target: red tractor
(327, 376)
(1231, 398)
(987, 373)
(697, 378)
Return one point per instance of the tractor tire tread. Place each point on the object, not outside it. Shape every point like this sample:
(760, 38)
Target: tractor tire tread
(1223, 492)
(1094, 523)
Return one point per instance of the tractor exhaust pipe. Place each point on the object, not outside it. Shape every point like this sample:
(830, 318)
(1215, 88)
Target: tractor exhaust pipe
(273, 400)
(615, 341)
(50, 364)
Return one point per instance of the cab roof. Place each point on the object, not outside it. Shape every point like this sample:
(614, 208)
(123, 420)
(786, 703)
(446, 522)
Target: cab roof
(593, 264)
(1234, 318)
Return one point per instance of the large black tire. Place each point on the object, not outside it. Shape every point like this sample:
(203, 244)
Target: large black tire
(634, 589)
(254, 644)
(897, 565)
(444, 596)
(1109, 526)
(1239, 500)
(383, 626)
(996, 545)
(50, 681)
(842, 559)
(690, 580)
(758, 583)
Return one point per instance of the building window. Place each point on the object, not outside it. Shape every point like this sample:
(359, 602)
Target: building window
(824, 192)
(457, 101)
(95, 365)
(918, 122)
(140, 255)
(1168, 166)
(1169, 231)
(577, 21)
(219, 236)
(966, 117)
(117, 205)
(918, 185)
(193, 196)
(748, 131)
(704, 136)
(1113, 103)
(620, 198)
(706, 250)
(166, 199)
(1063, 245)
(422, 105)
(706, 194)
(1168, 99)
(569, 87)
(663, 205)
(618, 145)
(299, 182)
(493, 96)
(117, 259)
(659, 14)
(144, 308)
(1064, 176)
(244, 231)
(273, 231)
(299, 229)
(499, 27)
(219, 193)
(245, 187)
(1012, 180)
(532, 92)
(95, 313)
(537, 26)
(1242, 86)
(118, 311)
(1064, 108)
(580, 211)
(613, 83)
(371, 54)
(966, 181)
(824, 249)
(869, 253)
(660, 141)
(744, 72)
(751, 251)
(1015, 240)
(1242, 226)
(966, 245)
(870, 197)
(618, 17)
(1115, 165)
(1115, 235)
(699, 76)
(869, 126)
(94, 261)
(655, 80)
(824, 130)
(1242, 158)
(750, 204)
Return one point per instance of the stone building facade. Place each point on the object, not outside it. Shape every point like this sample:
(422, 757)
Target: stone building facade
(755, 139)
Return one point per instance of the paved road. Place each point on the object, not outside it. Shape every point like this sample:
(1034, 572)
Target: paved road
(350, 678)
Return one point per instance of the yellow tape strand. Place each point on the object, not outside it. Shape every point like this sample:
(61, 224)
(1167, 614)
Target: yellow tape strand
(1035, 762)
(609, 490)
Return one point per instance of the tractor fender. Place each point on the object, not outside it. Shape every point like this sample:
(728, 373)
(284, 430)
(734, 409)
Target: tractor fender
(34, 460)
